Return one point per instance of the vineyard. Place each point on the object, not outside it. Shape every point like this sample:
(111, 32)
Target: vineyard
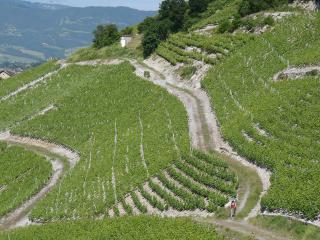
(196, 185)
(25, 77)
(275, 124)
(125, 228)
(22, 174)
(186, 48)
(121, 140)
(144, 154)
(214, 16)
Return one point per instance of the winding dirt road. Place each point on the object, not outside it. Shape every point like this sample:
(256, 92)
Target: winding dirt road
(203, 129)
(19, 217)
(205, 135)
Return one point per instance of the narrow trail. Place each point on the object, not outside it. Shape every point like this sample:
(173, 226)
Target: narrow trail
(246, 229)
(203, 124)
(205, 135)
(19, 217)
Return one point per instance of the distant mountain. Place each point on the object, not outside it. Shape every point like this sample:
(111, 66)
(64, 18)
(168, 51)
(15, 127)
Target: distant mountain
(33, 32)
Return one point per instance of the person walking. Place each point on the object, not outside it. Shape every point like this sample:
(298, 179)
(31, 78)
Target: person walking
(233, 208)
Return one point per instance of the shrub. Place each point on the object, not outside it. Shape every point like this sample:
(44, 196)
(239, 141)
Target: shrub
(147, 74)
(225, 26)
(146, 24)
(198, 6)
(252, 6)
(127, 31)
(187, 72)
(268, 21)
(105, 35)
(156, 32)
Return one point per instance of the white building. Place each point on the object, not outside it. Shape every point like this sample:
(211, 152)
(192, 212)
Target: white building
(5, 74)
(125, 40)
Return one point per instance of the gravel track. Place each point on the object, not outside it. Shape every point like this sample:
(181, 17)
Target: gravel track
(19, 217)
(202, 123)
(202, 120)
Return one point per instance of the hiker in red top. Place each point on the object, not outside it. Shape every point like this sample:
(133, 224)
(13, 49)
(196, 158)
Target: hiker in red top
(233, 208)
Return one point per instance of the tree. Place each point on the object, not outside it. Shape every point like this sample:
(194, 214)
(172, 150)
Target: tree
(128, 31)
(173, 11)
(198, 6)
(155, 33)
(150, 43)
(252, 6)
(146, 24)
(105, 35)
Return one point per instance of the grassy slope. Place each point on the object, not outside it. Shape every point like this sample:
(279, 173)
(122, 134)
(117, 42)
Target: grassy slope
(93, 105)
(292, 229)
(148, 228)
(114, 51)
(11, 84)
(22, 174)
(133, 50)
(243, 94)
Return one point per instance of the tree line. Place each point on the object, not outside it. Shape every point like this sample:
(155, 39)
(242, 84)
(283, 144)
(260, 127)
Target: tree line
(180, 15)
(175, 16)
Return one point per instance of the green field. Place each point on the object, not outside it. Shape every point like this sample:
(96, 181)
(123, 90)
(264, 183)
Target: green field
(139, 176)
(148, 228)
(122, 138)
(195, 182)
(213, 47)
(12, 84)
(22, 174)
(275, 124)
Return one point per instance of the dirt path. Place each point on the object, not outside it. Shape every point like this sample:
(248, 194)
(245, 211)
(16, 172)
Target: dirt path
(19, 217)
(205, 135)
(246, 229)
(297, 72)
(203, 129)
(203, 124)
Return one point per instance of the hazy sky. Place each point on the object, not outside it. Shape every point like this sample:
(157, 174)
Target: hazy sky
(139, 4)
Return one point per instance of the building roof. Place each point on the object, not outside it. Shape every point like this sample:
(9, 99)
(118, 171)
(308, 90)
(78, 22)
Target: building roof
(7, 72)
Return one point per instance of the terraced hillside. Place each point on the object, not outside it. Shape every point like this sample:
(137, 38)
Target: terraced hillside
(196, 185)
(264, 86)
(186, 48)
(22, 175)
(213, 115)
(12, 84)
(274, 122)
(116, 137)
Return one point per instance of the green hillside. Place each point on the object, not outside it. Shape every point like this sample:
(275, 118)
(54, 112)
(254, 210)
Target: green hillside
(122, 228)
(272, 123)
(280, 117)
(224, 106)
(22, 178)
